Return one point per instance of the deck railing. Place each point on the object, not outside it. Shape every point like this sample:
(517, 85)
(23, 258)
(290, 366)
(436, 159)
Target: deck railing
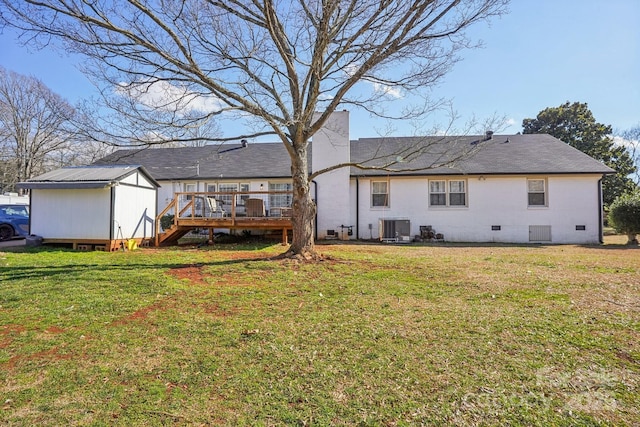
(222, 209)
(234, 204)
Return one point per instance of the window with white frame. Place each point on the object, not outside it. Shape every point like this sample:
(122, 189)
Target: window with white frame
(537, 192)
(226, 187)
(243, 197)
(189, 188)
(380, 194)
(438, 193)
(280, 200)
(448, 192)
(457, 193)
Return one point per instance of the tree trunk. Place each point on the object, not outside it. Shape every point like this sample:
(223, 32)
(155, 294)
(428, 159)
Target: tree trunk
(304, 208)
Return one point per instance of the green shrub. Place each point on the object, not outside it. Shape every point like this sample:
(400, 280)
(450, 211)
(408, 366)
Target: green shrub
(166, 221)
(624, 215)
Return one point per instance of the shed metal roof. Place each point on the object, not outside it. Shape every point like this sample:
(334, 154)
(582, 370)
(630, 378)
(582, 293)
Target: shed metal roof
(86, 177)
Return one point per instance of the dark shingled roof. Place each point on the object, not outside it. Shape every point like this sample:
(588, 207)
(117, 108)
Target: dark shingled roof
(259, 160)
(474, 155)
(451, 155)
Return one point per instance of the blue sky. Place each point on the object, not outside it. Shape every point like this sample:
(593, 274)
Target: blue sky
(541, 54)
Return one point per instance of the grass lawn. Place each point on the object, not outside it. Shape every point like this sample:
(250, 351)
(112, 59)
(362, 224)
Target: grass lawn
(375, 335)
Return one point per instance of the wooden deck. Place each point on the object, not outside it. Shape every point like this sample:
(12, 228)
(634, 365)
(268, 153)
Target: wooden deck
(191, 216)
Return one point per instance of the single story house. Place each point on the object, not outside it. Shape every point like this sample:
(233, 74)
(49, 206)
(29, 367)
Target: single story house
(94, 207)
(487, 188)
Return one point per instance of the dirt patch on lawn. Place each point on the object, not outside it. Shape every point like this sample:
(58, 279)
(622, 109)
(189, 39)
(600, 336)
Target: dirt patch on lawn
(53, 353)
(143, 313)
(6, 331)
(193, 273)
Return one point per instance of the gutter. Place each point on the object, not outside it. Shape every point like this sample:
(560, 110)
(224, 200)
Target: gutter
(600, 213)
(66, 185)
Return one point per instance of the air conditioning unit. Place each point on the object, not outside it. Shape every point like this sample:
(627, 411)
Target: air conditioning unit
(395, 230)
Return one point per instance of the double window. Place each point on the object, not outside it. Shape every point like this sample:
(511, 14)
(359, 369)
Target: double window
(280, 200)
(380, 194)
(537, 192)
(447, 192)
(229, 187)
(227, 199)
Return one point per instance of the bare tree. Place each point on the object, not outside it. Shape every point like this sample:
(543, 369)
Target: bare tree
(274, 62)
(128, 117)
(630, 139)
(35, 127)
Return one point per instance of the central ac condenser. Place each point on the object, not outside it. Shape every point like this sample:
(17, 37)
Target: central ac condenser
(395, 230)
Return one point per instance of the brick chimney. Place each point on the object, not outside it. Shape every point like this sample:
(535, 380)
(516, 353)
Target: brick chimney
(331, 146)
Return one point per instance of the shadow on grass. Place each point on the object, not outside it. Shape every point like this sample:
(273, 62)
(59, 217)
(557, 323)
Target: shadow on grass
(611, 246)
(69, 270)
(82, 269)
(432, 244)
(605, 245)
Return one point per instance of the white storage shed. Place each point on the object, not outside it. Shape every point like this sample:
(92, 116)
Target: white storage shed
(94, 207)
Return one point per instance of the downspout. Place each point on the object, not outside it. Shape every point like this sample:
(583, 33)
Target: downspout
(30, 209)
(600, 211)
(155, 215)
(315, 220)
(112, 212)
(357, 208)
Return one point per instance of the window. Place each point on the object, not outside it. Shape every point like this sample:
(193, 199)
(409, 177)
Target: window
(448, 193)
(536, 189)
(437, 193)
(457, 194)
(189, 188)
(227, 199)
(243, 197)
(379, 194)
(229, 187)
(280, 200)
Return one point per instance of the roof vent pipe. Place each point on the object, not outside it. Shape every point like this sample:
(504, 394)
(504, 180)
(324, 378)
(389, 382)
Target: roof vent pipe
(488, 135)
